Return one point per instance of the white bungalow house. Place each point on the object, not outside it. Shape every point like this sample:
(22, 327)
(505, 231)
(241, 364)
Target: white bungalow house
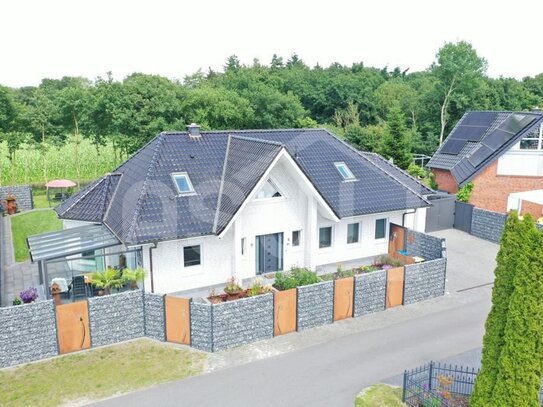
(198, 207)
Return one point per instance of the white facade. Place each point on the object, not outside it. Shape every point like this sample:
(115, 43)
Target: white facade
(521, 162)
(300, 208)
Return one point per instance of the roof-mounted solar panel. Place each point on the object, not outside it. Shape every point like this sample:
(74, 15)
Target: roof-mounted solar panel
(483, 119)
(496, 139)
(516, 122)
(453, 146)
(480, 155)
(471, 133)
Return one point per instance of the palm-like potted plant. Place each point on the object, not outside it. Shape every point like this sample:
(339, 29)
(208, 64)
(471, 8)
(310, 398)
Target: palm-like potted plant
(132, 277)
(106, 280)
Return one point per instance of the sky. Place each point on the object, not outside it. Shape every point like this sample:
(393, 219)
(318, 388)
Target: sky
(55, 38)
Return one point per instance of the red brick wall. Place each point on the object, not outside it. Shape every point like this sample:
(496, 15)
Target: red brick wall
(445, 180)
(532, 208)
(491, 190)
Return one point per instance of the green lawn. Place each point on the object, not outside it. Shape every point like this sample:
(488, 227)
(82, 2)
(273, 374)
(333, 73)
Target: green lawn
(28, 224)
(40, 199)
(98, 373)
(380, 395)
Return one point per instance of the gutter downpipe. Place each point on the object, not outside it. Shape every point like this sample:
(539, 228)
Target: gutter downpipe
(151, 265)
(403, 217)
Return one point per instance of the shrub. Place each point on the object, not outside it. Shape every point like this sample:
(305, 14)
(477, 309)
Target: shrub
(232, 286)
(464, 193)
(17, 301)
(432, 183)
(415, 171)
(388, 260)
(297, 277)
(257, 288)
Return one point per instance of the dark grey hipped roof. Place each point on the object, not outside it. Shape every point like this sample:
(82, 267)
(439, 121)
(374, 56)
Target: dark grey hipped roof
(481, 137)
(142, 203)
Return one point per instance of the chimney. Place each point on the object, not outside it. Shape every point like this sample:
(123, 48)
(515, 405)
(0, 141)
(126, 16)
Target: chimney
(194, 131)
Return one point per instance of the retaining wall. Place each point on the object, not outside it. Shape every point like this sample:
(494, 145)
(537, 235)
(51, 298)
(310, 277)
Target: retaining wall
(425, 246)
(424, 280)
(370, 292)
(23, 193)
(487, 225)
(27, 333)
(154, 316)
(116, 318)
(315, 305)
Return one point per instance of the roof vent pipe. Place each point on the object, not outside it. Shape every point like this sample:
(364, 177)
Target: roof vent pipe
(194, 131)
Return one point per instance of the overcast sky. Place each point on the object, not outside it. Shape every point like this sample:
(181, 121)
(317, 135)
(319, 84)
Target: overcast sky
(54, 38)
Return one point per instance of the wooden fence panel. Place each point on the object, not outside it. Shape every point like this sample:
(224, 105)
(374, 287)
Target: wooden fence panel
(343, 298)
(395, 282)
(73, 326)
(177, 319)
(285, 303)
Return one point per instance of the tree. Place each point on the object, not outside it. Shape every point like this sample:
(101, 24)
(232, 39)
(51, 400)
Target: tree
(508, 261)
(396, 142)
(459, 71)
(520, 364)
(397, 91)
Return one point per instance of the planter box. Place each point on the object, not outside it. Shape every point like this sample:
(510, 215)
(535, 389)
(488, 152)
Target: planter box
(222, 326)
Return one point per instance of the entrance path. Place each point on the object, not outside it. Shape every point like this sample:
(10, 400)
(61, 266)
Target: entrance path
(329, 365)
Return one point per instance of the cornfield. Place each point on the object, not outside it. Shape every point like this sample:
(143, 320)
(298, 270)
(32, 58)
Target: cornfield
(28, 166)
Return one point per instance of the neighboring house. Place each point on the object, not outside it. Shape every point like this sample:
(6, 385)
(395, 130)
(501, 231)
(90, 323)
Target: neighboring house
(203, 206)
(501, 153)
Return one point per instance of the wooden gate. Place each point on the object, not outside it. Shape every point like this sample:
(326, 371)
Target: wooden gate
(397, 239)
(395, 279)
(177, 319)
(343, 298)
(73, 326)
(285, 303)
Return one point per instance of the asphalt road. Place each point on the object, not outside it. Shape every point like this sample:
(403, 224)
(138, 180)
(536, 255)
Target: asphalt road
(329, 365)
(331, 373)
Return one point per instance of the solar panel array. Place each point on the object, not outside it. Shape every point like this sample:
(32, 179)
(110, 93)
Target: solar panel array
(472, 128)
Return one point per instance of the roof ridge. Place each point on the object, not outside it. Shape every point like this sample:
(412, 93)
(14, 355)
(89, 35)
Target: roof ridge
(359, 153)
(258, 140)
(232, 131)
(400, 169)
(106, 209)
(132, 227)
(221, 187)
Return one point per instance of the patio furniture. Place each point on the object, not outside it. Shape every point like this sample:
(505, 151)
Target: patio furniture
(79, 288)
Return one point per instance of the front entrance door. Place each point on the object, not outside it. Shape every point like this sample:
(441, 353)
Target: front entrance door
(269, 253)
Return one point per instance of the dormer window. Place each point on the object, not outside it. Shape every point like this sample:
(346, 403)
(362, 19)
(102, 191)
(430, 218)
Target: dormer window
(183, 184)
(345, 171)
(269, 190)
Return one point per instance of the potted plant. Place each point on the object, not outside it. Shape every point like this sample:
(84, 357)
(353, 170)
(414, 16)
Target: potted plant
(11, 204)
(106, 280)
(29, 295)
(132, 277)
(232, 288)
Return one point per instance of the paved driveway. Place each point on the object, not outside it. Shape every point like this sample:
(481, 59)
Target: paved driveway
(327, 366)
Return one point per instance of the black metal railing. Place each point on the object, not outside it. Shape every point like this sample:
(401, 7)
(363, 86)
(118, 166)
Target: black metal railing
(439, 384)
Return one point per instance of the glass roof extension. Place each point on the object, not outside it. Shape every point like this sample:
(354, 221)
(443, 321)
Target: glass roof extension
(67, 242)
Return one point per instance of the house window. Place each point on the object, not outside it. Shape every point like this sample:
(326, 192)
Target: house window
(345, 171)
(269, 190)
(296, 238)
(243, 247)
(353, 233)
(380, 228)
(533, 141)
(325, 237)
(191, 255)
(182, 182)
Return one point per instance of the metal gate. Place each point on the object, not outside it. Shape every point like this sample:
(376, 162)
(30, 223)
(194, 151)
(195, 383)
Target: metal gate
(462, 216)
(440, 215)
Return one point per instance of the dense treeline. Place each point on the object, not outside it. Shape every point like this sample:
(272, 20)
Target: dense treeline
(368, 106)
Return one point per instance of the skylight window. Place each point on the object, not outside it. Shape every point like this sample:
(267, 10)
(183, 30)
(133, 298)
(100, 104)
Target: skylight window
(182, 182)
(345, 171)
(269, 190)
